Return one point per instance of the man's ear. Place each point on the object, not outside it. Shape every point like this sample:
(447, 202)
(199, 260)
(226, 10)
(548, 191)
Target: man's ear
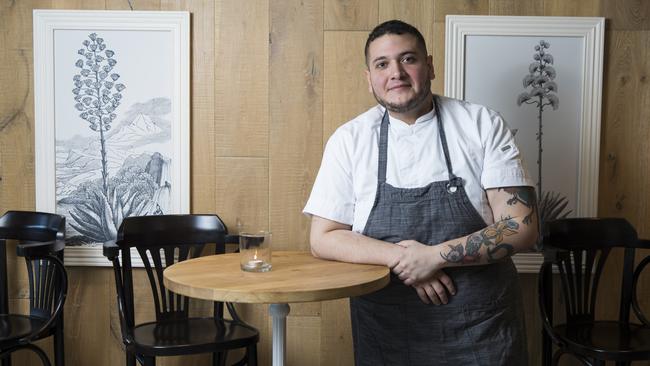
(367, 72)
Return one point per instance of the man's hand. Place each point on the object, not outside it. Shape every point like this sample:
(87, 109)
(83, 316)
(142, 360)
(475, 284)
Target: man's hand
(435, 290)
(417, 262)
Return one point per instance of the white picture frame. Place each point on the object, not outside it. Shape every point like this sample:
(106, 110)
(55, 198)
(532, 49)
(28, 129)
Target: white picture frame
(116, 135)
(486, 60)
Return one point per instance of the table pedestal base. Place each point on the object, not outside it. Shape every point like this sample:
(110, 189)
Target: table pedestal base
(279, 314)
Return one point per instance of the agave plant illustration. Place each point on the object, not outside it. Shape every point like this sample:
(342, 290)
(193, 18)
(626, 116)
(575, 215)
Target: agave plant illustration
(97, 95)
(96, 91)
(541, 92)
(97, 216)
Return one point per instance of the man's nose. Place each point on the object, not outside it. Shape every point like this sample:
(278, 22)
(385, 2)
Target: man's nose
(396, 70)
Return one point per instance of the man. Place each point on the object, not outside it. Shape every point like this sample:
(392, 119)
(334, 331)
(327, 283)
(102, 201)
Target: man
(435, 189)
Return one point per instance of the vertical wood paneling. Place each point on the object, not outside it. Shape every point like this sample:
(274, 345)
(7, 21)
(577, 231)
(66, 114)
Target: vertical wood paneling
(248, 203)
(350, 14)
(438, 53)
(623, 177)
(418, 13)
(627, 14)
(345, 92)
(516, 7)
(16, 107)
(441, 8)
(336, 333)
(296, 109)
(87, 316)
(87, 4)
(241, 106)
(304, 335)
(584, 8)
(528, 284)
(202, 93)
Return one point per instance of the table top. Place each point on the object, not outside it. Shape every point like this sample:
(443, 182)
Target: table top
(295, 277)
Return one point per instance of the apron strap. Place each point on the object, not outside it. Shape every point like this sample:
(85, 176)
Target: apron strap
(454, 181)
(383, 148)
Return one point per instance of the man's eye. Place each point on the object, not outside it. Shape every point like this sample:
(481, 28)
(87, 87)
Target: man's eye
(380, 65)
(408, 59)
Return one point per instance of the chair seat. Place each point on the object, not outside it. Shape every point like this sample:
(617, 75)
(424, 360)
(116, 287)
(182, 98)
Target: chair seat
(607, 340)
(15, 326)
(193, 335)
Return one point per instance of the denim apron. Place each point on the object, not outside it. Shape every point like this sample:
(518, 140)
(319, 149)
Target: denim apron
(482, 324)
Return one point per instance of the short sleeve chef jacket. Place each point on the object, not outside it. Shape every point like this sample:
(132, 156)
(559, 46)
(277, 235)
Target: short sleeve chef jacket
(481, 147)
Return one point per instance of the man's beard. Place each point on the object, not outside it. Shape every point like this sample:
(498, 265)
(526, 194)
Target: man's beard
(409, 105)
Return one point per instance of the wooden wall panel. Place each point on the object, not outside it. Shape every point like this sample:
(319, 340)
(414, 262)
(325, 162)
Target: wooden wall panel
(241, 105)
(270, 82)
(584, 8)
(436, 45)
(336, 333)
(625, 119)
(248, 204)
(442, 8)
(345, 93)
(516, 7)
(296, 110)
(418, 13)
(16, 107)
(303, 341)
(203, 134)
(87, 316)
(627, 14)
(350, 14)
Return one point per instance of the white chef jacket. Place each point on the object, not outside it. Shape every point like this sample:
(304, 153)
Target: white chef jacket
(481, 148)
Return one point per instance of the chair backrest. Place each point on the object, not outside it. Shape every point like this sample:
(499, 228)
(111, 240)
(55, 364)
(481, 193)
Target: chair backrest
(160, 241)
(32, 226)
(41, 238)
(579, 248)
(48, 283)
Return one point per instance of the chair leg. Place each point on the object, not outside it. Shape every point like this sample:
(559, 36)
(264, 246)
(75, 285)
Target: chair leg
(251, 351)
(6, 360)
(59, 349)
(219, 358)
(547, 349)
(130, 359)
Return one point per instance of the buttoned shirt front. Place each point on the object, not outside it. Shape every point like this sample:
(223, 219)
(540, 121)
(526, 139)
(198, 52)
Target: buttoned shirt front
(482, 150)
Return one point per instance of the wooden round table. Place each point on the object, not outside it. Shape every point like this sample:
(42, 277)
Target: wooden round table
(295, 277)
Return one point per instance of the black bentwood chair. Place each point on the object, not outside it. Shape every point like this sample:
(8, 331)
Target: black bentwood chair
(161, 241)
(579, 249)
(41, 240)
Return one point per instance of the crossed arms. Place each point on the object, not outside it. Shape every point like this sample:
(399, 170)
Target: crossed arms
(422, 266)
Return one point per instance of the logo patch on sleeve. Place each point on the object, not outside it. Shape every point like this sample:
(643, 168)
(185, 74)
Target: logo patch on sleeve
(505, 148)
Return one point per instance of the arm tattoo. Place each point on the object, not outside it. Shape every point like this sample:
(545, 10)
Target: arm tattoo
(491, 237)
(525, 196)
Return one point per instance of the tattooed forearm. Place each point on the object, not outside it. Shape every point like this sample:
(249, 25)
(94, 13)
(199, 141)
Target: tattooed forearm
(491, 238)
(524, 196)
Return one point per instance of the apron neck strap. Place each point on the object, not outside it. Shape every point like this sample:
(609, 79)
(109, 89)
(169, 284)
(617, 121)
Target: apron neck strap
(453, 180)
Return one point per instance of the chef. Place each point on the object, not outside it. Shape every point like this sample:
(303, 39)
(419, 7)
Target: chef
(435, 189)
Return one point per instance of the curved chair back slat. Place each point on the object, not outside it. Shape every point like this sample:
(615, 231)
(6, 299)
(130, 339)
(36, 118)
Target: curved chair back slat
(41, 241)
(579, 248)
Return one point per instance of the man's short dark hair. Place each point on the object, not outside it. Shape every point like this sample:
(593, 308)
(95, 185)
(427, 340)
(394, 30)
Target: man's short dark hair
(395, 27)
